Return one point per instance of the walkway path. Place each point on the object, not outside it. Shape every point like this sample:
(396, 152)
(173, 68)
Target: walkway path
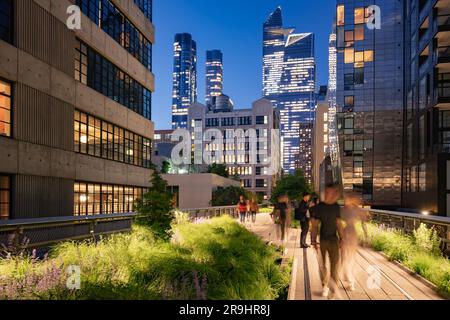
(396, 282)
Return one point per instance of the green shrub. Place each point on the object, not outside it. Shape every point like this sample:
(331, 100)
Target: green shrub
(218, 259)
(427, 239)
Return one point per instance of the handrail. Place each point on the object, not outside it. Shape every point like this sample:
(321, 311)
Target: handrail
(445, 221)
(39, 222)
(39, 233)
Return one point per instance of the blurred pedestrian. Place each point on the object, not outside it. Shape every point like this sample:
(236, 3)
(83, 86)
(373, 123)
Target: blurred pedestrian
(302, 214)
(253, 208)
(280, 215)
(242, 208)
(327, 217)
(351, 214)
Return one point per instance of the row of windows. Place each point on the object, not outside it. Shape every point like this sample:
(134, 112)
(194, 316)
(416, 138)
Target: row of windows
(5, 197)
(93, 199)
(108, 17)
(5, 109)
(100, 74)
(99, 138)
(241, 121)
(259, 183)
(6, 16)
(146, 8)
(360, 15)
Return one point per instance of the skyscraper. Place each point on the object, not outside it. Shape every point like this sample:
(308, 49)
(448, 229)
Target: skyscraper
(184, 78)
(214, 74)
(289, 74)
(426, 172)
(369, 97)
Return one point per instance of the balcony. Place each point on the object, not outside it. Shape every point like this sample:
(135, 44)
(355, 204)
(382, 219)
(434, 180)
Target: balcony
(443, 59)
(442, 91)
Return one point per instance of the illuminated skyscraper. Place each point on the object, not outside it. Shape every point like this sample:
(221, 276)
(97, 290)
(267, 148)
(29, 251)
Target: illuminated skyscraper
(184, 78)
(289, 73)
(214, 74)
(369, 99)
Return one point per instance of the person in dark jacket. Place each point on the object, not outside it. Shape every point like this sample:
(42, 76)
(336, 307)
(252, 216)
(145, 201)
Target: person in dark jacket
(302, 214)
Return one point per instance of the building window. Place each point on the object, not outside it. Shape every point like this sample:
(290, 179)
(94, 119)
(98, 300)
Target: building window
(146, 7)
(5, 109)
(6, 20)
(93, 199)
(99, 138)
(100, 74)
(261, 183)
(359, 33)
(212, 122)
(107, 16)
(360, 15)
(340, 15)
(5, 197)
(359, 76)
(246, 183)
(349, 55)
(227, 122)
(262, 119)
(349, 103)
(245, 121)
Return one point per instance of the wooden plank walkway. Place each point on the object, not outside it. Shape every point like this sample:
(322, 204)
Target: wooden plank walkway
(395, 282)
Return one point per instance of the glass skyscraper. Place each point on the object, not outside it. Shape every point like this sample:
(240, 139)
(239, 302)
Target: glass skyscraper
(369, 99)
(184, 78)
(214, 74)
(289, 74)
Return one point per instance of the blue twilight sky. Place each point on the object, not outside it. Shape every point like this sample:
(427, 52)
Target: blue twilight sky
(235, 27)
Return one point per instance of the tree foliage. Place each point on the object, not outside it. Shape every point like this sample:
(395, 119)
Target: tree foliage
(219, 169)
(292, 185)
(228, 196)
(155, 208)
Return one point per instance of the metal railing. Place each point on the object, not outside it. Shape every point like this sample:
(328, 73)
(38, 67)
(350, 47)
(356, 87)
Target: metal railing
(211, 212)
(42, 232)
(408, 222)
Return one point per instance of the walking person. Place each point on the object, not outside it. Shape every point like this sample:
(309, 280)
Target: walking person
(351, 214)
(254, 208)
(312, 211)
(280, 215)
(327, 215)
(302, 214)
(242, 209)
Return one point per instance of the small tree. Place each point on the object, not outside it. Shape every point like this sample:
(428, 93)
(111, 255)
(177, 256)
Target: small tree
(219, 169)
(155, 208)
(228, 196)
(165, 167)
(292, 185)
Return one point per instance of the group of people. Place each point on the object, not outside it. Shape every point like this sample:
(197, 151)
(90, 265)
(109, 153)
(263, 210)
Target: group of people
(335, 227)
(247, 209)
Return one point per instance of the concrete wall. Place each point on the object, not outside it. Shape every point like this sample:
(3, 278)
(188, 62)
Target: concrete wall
(40, 65)
(196, 189)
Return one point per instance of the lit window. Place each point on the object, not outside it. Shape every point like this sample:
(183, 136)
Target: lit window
(359, 15)
(349, 55)
(359, 33)
(368, 55)
(5, 197)
(340, 15)
(5, 109)
(359, 56)
(349, 36)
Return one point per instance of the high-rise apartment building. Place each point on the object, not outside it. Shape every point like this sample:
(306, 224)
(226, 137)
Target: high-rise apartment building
(369, 97)
(289, 75)
(256, 168)
(184, 78)
(426, 172)
(75, 109)
(214, 75)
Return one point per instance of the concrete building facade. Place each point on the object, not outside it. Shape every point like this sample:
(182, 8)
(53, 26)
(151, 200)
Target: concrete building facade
(75, 133)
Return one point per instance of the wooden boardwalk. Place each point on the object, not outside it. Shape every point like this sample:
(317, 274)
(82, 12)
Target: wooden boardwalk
(396, 283)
